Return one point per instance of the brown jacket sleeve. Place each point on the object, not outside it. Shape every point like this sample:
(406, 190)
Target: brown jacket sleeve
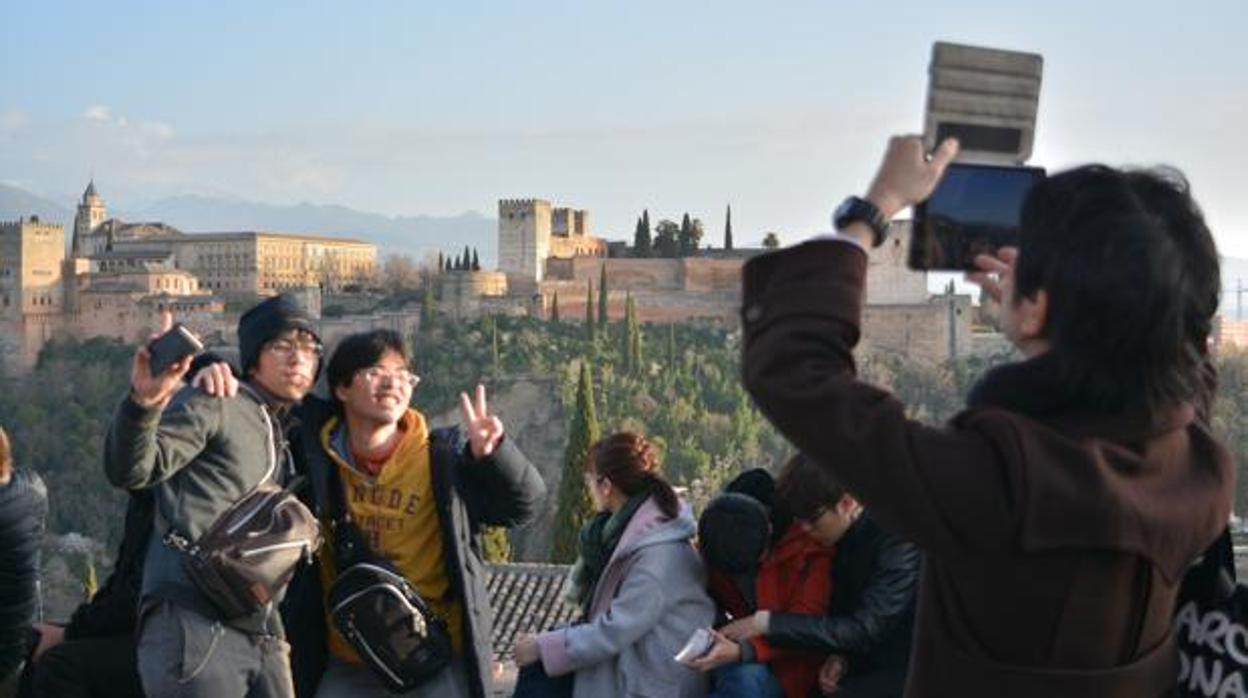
(948, 490)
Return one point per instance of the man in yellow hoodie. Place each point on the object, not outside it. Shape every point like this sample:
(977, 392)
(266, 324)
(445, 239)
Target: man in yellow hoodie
(419, 497)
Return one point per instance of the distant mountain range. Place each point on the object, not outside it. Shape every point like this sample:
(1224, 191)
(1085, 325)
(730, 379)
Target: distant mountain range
(18, 203)
(410, 235)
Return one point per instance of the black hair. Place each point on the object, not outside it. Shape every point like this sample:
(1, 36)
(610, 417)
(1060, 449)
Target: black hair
(359, 351)
(1131, 274)
(803, 489)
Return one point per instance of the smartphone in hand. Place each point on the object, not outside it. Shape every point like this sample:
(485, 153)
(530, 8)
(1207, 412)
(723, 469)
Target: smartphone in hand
(698, 645)
(176, 344)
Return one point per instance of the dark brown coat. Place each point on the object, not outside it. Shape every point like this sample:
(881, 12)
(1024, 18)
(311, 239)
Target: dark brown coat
(1054, 540)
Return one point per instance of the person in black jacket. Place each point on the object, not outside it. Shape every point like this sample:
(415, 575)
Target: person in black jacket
(23, 510)
(94, 655)
(870, 620)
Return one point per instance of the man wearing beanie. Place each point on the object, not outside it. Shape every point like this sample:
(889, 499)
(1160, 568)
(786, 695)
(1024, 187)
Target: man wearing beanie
(201, 455)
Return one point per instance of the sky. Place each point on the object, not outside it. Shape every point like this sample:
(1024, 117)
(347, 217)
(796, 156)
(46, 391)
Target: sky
(409, 108)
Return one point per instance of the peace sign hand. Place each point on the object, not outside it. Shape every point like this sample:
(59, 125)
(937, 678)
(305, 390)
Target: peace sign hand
(484, 430)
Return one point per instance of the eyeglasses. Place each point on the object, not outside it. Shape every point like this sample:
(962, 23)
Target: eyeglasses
(286, 348)
(377, 375)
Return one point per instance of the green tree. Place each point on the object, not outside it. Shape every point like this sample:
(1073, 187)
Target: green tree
(590, 332)
(427, 305)
(672, 364)
(495, 546)
(554, 308)
(641, 238)
(665, 239)
(476, 263)
(728, 229)
(497, 357)
(684, 236)
(771, 241)
(603, 315)
(632, 338)
(90, 583)
(574, 504)
(441, 261)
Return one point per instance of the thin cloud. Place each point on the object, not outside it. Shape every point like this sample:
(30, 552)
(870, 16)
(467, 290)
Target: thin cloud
(98, 112)
(12, 119)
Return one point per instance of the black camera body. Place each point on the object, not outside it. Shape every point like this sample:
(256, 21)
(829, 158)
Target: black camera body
(178, 343)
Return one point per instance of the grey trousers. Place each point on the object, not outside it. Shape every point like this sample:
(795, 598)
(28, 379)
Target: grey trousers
(342, 680)
(185, 655)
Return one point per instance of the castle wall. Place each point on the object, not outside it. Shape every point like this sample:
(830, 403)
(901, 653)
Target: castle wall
(704, 275)
(890, 281)
(934, 331)
(578, 246)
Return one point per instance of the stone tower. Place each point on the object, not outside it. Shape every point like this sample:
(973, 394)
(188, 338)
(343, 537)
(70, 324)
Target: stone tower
(32, 254)
(91, 213)
(523, 237)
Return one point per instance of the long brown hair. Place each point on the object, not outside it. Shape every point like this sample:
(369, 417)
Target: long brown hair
(6, 455)
(629, 462)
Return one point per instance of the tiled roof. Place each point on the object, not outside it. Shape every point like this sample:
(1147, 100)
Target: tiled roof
(526, 598)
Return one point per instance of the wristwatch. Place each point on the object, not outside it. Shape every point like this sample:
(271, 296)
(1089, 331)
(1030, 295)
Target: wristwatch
(856, 208)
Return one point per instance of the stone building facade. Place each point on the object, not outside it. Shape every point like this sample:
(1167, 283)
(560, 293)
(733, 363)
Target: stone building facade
(232, 264)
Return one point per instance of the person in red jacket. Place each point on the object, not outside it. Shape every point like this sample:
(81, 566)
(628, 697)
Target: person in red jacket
(794, 576)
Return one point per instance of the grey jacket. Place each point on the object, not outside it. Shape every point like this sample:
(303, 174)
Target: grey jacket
(202, 454)
(650, 599)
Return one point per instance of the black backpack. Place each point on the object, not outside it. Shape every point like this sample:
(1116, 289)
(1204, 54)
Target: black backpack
(377, 610)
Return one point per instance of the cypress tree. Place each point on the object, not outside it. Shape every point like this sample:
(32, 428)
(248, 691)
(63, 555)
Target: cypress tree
(602, 297)
(634, 337)
(645, 222)
(671, 347)
(554, 308)
(498, 363)
(685, 236)
(441, 262)
(626, 339)
(427, 305)
(448, 262)
(467, 259)
(641, 238)
(476, 263)
(590, 332)
(728, 229)
(574, 502)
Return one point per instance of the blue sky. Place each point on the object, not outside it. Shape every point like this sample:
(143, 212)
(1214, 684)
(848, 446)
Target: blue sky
(440, 108)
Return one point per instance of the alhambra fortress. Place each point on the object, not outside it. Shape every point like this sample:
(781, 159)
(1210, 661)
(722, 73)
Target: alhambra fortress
(113, 278)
